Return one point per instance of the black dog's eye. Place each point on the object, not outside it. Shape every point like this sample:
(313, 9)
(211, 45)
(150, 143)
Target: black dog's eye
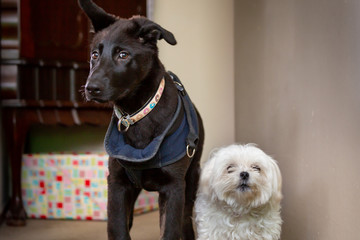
(256, 167)
(230, 169)
(94, 55)
(123, 55)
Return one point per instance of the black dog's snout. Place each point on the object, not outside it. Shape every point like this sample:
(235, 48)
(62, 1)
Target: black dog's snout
(93, 89)
(244, 175)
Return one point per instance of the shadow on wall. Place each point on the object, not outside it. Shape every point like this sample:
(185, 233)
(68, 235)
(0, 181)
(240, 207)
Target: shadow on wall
(297, 96)
(299, 187)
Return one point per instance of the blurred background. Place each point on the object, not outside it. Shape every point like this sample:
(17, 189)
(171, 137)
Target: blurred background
(283, 74)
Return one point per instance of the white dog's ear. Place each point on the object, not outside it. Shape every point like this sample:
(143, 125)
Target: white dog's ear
(206, 174)
(277, 182)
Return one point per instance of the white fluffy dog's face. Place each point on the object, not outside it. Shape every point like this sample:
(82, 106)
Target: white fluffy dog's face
(243, 176)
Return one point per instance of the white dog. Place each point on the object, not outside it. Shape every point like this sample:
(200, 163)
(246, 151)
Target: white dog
(239, 196)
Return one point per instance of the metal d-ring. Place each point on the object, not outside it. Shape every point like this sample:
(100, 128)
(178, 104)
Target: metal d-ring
(188, 153)
(120, 123)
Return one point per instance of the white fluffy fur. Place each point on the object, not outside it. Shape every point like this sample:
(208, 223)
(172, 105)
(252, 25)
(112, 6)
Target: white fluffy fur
(224, 210)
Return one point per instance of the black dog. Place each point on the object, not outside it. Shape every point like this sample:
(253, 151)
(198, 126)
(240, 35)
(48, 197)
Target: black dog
(158, 145)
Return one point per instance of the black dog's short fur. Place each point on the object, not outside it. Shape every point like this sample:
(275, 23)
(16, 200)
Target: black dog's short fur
(125, 70)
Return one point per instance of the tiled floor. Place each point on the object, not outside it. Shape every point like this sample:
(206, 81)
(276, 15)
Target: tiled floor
(146, 227)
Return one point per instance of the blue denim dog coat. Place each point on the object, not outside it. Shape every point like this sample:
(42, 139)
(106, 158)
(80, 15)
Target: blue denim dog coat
(163, 150)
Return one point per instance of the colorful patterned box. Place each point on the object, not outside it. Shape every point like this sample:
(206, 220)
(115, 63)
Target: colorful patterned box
(70, 186)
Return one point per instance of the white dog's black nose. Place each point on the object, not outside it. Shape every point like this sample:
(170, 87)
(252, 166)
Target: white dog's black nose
(244, 175)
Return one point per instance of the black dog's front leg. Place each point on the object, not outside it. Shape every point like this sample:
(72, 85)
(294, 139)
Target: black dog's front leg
(171, 204)
(121, 199)
(172, 200)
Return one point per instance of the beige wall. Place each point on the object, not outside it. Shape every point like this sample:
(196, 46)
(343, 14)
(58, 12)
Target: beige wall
(203, 59)
(298, 96)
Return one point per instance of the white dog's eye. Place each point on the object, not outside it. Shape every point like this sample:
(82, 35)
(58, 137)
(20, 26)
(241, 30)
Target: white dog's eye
(230, 169)
(256, 167)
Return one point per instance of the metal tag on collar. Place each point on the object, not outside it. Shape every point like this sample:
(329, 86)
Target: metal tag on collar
(124, 121)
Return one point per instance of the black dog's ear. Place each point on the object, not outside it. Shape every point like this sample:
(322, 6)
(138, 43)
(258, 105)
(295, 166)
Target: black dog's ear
(99, 18)
(151, 32)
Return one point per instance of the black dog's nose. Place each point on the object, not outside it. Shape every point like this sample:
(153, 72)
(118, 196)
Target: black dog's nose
(93, 89)
(244, 175)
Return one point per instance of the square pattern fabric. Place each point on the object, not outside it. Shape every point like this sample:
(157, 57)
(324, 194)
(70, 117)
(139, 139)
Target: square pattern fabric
(71, 186)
